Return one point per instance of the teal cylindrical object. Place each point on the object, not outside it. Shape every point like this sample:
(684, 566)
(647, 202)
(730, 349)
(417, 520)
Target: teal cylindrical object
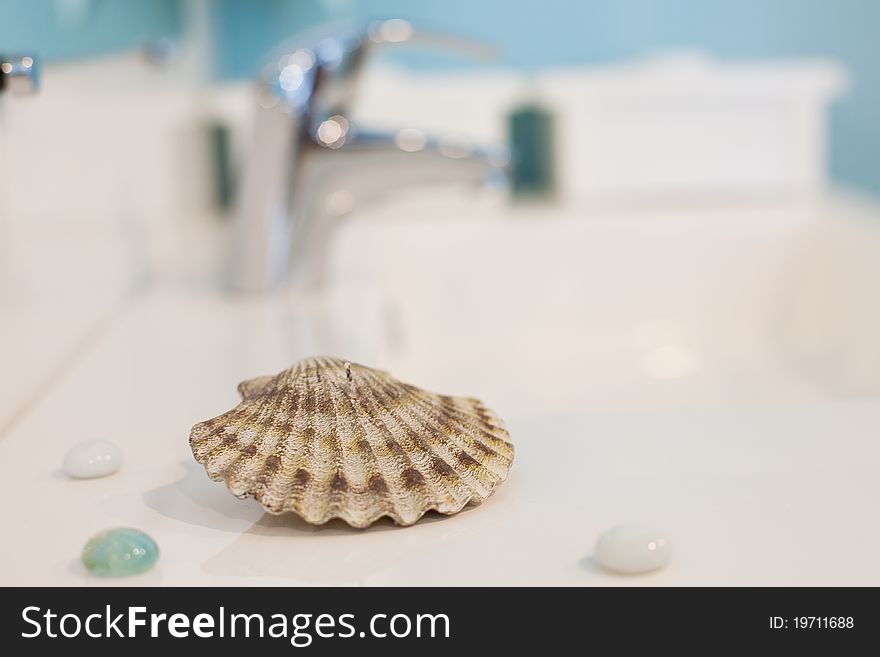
(532, 163)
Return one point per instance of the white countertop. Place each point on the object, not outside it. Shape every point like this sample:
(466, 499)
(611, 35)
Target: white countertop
(46, 317)
(749, 493)
(760, 496)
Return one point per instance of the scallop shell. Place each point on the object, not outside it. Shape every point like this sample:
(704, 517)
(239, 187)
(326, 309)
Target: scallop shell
(332, 439)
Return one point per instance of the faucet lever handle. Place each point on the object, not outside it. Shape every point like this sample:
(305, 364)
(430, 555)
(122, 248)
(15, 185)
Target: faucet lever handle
(335, 92)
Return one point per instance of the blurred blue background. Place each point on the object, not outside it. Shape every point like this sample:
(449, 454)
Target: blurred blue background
(531, 33)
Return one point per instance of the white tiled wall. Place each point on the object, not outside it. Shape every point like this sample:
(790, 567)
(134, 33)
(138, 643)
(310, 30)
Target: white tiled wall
(114, 140)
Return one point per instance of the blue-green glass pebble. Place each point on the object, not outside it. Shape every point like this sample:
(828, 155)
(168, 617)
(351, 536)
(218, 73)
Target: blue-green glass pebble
(119, 552)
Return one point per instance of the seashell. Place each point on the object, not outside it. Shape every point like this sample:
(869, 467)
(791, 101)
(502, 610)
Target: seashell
(332, 439)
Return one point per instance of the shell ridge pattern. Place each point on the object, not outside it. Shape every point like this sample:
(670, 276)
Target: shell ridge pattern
(413, 475)
(465, 439)
(464, 475)
(328, 438)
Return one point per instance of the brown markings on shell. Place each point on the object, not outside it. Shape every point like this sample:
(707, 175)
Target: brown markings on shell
(327, 438)
(412, 478)
(477, 478)
(462, 418)
(377, 484)
(339, 484)
(467, 460)
(428, 446)
(483, 480)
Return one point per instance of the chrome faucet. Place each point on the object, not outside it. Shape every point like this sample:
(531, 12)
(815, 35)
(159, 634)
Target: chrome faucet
(310, 165)
(19, 74)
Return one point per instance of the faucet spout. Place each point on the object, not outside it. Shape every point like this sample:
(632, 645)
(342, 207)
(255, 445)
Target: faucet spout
(368, 169)
(309, 165)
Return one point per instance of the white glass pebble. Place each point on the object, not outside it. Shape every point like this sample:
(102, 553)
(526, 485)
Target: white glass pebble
(93, 458)
(631, 549)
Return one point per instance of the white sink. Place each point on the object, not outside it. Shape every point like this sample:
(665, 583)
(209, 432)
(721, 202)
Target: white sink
(686, 370)
(539, 310)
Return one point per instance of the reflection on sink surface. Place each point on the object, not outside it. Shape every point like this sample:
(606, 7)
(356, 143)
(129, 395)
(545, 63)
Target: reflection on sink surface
(540, 312)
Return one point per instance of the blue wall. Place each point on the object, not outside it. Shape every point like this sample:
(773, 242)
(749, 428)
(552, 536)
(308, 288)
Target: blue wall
(537, 33)
(60, 29)
(531, 34)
